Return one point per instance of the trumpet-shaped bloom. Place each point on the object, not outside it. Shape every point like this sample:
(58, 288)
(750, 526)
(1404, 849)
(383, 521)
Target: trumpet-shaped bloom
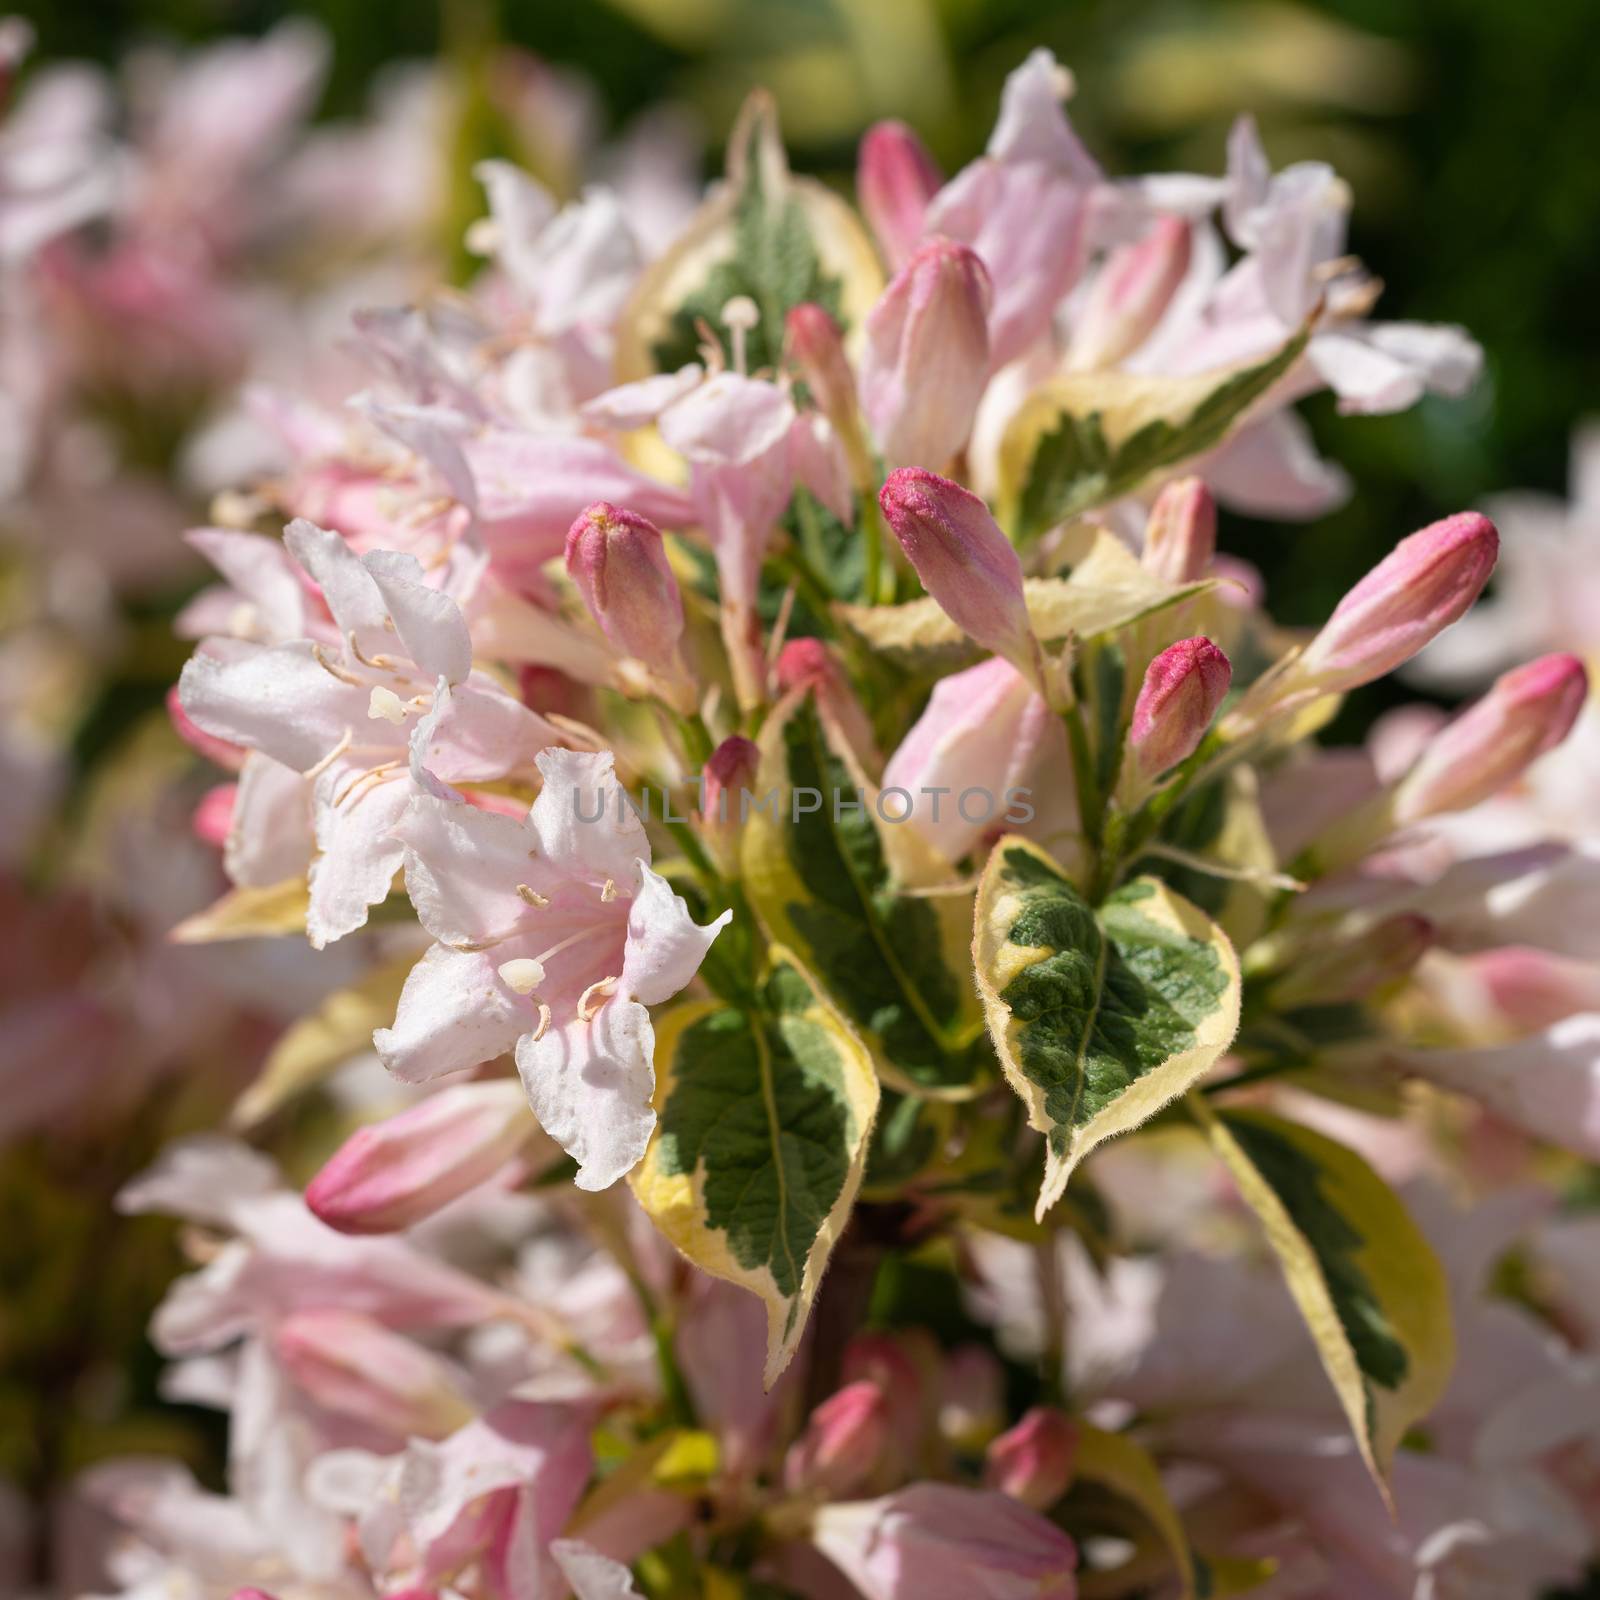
(553, 935)
(390, 678)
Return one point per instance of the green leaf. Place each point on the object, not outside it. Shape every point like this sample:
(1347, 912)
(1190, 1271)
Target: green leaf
(1099, 1017)
(1086, 439)
(1125, 1467)
(1105, 591)
(834, 884)
(778, 239)
(1367, 1283)
(764, 1115)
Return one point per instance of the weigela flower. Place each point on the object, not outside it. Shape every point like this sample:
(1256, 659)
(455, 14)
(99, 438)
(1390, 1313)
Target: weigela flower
(553, 936)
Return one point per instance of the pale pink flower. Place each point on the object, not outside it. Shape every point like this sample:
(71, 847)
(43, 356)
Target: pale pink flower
(395, 683)
(554, 934)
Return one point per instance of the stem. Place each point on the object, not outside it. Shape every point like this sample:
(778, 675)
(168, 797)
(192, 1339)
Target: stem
(1091, 804)
(872, 551)
(697, 742)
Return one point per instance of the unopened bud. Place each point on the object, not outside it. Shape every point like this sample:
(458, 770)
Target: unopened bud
(1130, 296)
(816, 348)
(1181, 536)
(1033, 1461)
(1180, 694)
(895, 180)
(926, 361)
(841, 1444)
(1412, 595)
(964, 561)
(729, 774)
(1527, 712)
(809, 663)
(1352, 969)
(395, 1173)
(213, 817)
(619, 563)
(349, 1364)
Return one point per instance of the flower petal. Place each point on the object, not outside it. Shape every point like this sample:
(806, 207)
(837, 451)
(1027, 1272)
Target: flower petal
(665, 944)
(584, 821)
(454, 1013)
(463, 866)
(428, 621)
(357, 854)
(590, 1085)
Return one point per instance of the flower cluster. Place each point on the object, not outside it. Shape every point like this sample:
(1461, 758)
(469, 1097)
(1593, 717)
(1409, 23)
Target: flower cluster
(750, 720)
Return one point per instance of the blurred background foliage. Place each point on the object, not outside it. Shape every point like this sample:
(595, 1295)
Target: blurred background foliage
(1467, 128)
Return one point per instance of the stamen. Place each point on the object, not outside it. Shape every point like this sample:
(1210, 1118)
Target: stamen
(594, 997)
(544, 1023)
(609, 892)
(317, 768)
(363, 781)
(381, 662)
(327, 666)
(531, 895)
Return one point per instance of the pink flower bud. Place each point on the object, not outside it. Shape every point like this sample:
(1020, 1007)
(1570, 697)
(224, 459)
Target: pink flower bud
(1130, 296)
(964, 561)
(213, 817)
(1180, 538)
(926, 361)
(938, 1542)
(395, 1173)
(895, 180)
(619, 563)
(1533, 989)
(1414, 593)
(1032, 1462)
(349, 1364)
(841, 1443)
(809, 662)
(1351, 970)
(731, 768)
(1180, 694)
(728, 776)
(1528, 711)
(816, 347)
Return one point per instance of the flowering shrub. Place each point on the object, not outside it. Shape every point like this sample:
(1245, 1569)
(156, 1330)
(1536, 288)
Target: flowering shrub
(757, 732)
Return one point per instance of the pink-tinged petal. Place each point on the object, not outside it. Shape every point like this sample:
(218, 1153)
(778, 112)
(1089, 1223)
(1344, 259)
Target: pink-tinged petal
(279, 699)
(346, 585)
(665, 944)
(819, 463)
(203, 1178)
(1033, 1461)
(1547, 1083)
(429, 623)
(270, 838)
(1130, 295)
(635, 405)
(213, 816)
(895, 180)
(357, 855)
(454, 1013)
(230, 757)
(590, 1084)
(1033, 126)
(983, 729)
(258, 569)
(477, 732)
(933, 1541)
(592, 1575)
(355, 1367)
(841, 1444)
(583, 820)
(463, 865)
(1271, 468)
(729, 420)
(530, 487)
(393, 1174)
